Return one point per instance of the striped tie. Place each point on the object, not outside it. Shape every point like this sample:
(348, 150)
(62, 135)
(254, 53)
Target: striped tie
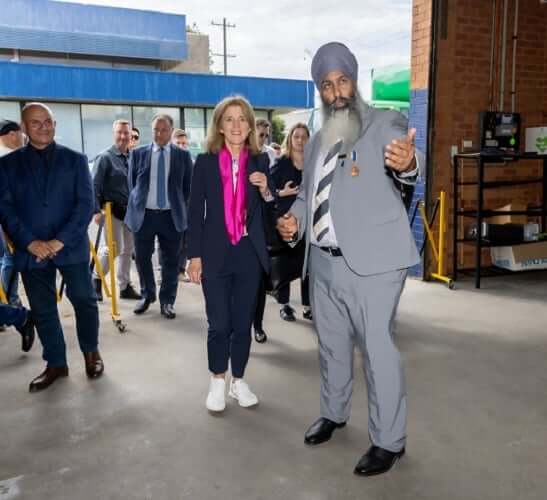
(320, 214)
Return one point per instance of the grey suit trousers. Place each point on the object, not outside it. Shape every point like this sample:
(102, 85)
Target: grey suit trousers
(350, 309)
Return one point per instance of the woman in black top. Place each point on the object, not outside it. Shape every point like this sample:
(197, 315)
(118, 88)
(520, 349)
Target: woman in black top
(287, 177)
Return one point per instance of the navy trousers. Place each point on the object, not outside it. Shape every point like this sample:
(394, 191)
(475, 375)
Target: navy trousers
(158, 223)
(9, 277)
(41, 292)
(230, 302)
(183, 258)
(12, 316)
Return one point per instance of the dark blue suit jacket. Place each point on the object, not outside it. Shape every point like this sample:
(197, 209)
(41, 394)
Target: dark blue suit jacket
(61, 211)
(178, 186)
(207, 236)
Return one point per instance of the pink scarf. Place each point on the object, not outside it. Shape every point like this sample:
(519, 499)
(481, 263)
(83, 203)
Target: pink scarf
(235, 204)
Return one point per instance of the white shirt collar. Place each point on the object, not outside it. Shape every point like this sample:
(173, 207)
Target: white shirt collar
(156, 147)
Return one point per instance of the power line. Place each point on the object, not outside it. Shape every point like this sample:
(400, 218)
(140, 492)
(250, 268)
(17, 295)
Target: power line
(225, 25)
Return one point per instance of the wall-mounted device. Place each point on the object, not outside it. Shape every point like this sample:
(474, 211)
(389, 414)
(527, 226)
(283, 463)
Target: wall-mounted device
(536, 140)
(500, 131)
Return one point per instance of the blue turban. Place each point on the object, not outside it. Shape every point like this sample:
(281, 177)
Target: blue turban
(333, 56)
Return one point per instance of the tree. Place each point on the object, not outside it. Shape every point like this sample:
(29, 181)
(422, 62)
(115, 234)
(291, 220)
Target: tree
(278, 129)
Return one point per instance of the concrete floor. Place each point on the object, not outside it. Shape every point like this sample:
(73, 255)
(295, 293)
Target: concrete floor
(476, 364)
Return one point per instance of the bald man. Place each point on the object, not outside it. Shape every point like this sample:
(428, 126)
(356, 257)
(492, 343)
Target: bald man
(46, 205)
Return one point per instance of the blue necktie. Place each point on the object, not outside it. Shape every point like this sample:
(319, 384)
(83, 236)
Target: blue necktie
(161, 198)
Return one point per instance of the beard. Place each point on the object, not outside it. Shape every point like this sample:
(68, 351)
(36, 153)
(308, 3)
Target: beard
(343, 122)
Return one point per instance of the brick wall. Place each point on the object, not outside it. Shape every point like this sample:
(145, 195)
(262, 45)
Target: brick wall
(462, 91)
(421, 43)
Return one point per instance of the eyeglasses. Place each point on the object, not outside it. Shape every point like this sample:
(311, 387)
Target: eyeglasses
(263, 135)
(37, 124)
(135, 137)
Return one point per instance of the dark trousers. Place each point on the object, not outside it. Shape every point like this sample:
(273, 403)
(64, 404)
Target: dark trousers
(283, 295)
(183, 258)
(9, 277)
(260, 303)
(41, 292)
(230, 302)
(158, 223)
(12, 316)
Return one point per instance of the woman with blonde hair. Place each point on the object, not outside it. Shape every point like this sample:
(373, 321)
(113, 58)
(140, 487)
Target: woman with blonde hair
(286, 178)
(227, 242)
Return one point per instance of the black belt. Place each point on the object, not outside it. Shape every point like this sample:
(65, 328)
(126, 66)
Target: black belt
(157, 210)
(334, 251)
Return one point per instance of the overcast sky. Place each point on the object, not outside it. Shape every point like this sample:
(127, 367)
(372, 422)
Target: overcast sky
(276, 38)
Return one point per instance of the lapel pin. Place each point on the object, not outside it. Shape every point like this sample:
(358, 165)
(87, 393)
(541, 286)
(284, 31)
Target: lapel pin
(354, 168)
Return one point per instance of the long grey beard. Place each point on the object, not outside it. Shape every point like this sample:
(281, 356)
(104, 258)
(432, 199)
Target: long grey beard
(345, 123)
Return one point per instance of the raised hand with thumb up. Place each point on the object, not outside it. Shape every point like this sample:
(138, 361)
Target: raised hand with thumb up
(400, 153)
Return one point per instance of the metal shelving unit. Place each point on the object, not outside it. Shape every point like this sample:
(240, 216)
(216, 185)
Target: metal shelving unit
(479, 214)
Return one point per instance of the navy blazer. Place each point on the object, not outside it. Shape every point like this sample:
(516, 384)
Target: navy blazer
(207, 235)
(178, 186)
(62, 211)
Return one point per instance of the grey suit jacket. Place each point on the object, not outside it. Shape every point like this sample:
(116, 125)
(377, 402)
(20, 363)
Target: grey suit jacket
(369, 217)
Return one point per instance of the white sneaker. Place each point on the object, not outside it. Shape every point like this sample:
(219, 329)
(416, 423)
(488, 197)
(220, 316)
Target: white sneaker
(216, 401)
(239, 390)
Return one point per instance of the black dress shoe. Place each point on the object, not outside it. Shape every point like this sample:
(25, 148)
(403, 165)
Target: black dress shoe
(287, 313)
(260, 335)
(130, 293)
(94, 366)
(47, 377)
(168, 311)
(377, 461)
(142, 306)
(321, 430)
(98, 289)
(28, 333)
(307, 315)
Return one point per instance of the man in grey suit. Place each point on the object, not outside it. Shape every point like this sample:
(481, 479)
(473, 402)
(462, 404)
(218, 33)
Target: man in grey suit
(159, 189)
(358, 249)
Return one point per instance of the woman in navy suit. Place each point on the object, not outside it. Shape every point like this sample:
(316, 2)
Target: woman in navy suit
(286, 179)
(227, 242)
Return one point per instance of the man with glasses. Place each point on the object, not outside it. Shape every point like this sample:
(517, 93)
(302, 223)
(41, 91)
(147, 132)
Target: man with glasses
(263, 128)
(46, 206)
(135, 138)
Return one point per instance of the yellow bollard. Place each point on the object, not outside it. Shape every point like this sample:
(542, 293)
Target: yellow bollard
(99, 268)
(438, 249)
(428, 231)
(112, 253)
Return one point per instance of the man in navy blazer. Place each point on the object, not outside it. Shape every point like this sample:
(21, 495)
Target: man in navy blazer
(159, 185)
(46, 204)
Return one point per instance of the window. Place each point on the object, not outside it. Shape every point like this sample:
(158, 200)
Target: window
(142, 119)
(209, 117)
(194, 125)
(97, 124)
(260, 113)
(10, 110)
(68, 130)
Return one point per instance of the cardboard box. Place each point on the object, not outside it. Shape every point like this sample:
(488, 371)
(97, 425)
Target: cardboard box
(536, 140)
(521, 257)
(510, 219)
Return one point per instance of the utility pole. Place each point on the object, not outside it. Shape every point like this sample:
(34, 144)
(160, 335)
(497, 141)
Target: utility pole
(225, 54)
